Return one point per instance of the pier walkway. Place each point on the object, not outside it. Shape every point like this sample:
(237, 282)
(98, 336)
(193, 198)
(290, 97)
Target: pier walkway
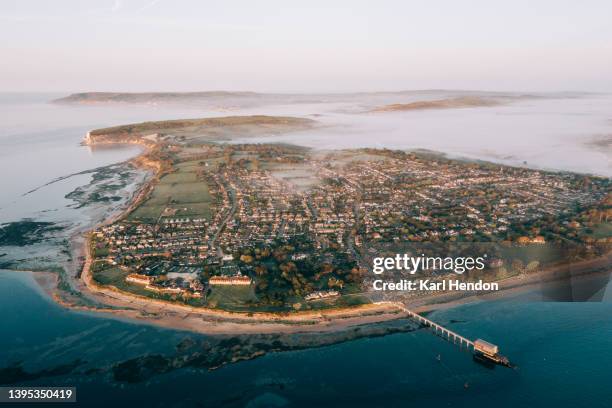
(438, 329)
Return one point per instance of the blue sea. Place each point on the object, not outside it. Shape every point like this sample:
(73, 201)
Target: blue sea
(563, 353)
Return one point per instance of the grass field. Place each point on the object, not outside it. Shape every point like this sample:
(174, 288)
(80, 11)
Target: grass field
(114, 276)
(603, 230)
(110, 276)
(206, 126)
(231, 297)
(180, 191)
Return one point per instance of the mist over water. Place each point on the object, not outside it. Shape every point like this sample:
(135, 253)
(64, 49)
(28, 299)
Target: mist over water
(547, 133)
(40, 142)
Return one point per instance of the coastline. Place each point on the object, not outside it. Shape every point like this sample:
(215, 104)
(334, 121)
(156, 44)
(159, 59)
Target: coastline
(201, 320)
(167, 314)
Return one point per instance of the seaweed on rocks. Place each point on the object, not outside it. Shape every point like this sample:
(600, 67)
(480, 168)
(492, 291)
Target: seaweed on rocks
(26, 232)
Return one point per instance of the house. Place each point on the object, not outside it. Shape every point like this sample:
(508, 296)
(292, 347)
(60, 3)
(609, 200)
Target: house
(321, 295)
(139, 279)
(229, 280)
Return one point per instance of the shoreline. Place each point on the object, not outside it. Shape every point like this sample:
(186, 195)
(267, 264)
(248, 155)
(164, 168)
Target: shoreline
(203, 320)
(218, 322)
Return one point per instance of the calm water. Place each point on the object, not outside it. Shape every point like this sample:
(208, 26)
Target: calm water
(40, 142)
(562, 350)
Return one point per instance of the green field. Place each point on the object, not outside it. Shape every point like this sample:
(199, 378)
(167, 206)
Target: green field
(111, 276)
(602, 230)
(180, 191)
(204, 125)
(231, 297)
(115, 276)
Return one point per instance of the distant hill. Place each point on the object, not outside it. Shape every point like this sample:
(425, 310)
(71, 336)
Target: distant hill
(385, 101)
(204, 123)
(199, 130)
(147, 97)
(450, 103)
(246, 96)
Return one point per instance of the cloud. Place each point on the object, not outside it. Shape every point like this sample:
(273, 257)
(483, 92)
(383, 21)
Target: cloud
(117, 6)
(148, 6)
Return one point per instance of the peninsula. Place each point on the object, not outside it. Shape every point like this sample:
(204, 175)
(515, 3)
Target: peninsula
(268, 237)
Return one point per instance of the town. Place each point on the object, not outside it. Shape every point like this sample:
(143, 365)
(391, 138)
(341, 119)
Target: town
(277, 227)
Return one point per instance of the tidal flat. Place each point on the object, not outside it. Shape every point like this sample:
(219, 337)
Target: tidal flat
(26, 232)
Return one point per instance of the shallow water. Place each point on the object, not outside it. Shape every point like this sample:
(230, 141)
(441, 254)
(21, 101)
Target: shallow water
(562, 351)
(40, 142)
(42, 160)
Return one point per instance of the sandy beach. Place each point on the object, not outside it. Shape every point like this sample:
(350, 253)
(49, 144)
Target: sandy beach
(122, 305)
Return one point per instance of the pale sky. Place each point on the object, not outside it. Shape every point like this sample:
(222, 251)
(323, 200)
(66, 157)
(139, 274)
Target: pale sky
(306, 45)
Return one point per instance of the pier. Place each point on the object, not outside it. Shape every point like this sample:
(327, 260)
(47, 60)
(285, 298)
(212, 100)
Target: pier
(441, 330)
(481, 349)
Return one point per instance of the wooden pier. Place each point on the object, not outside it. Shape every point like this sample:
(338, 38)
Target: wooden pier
(481, 349)
(442, 331)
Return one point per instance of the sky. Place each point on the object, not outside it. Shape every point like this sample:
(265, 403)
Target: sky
(305, 46)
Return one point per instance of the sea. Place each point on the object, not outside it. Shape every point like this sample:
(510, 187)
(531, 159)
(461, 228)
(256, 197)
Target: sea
(562, 352)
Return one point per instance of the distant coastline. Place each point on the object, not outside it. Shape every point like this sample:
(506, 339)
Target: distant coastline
(449, 103)
(453, 97)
